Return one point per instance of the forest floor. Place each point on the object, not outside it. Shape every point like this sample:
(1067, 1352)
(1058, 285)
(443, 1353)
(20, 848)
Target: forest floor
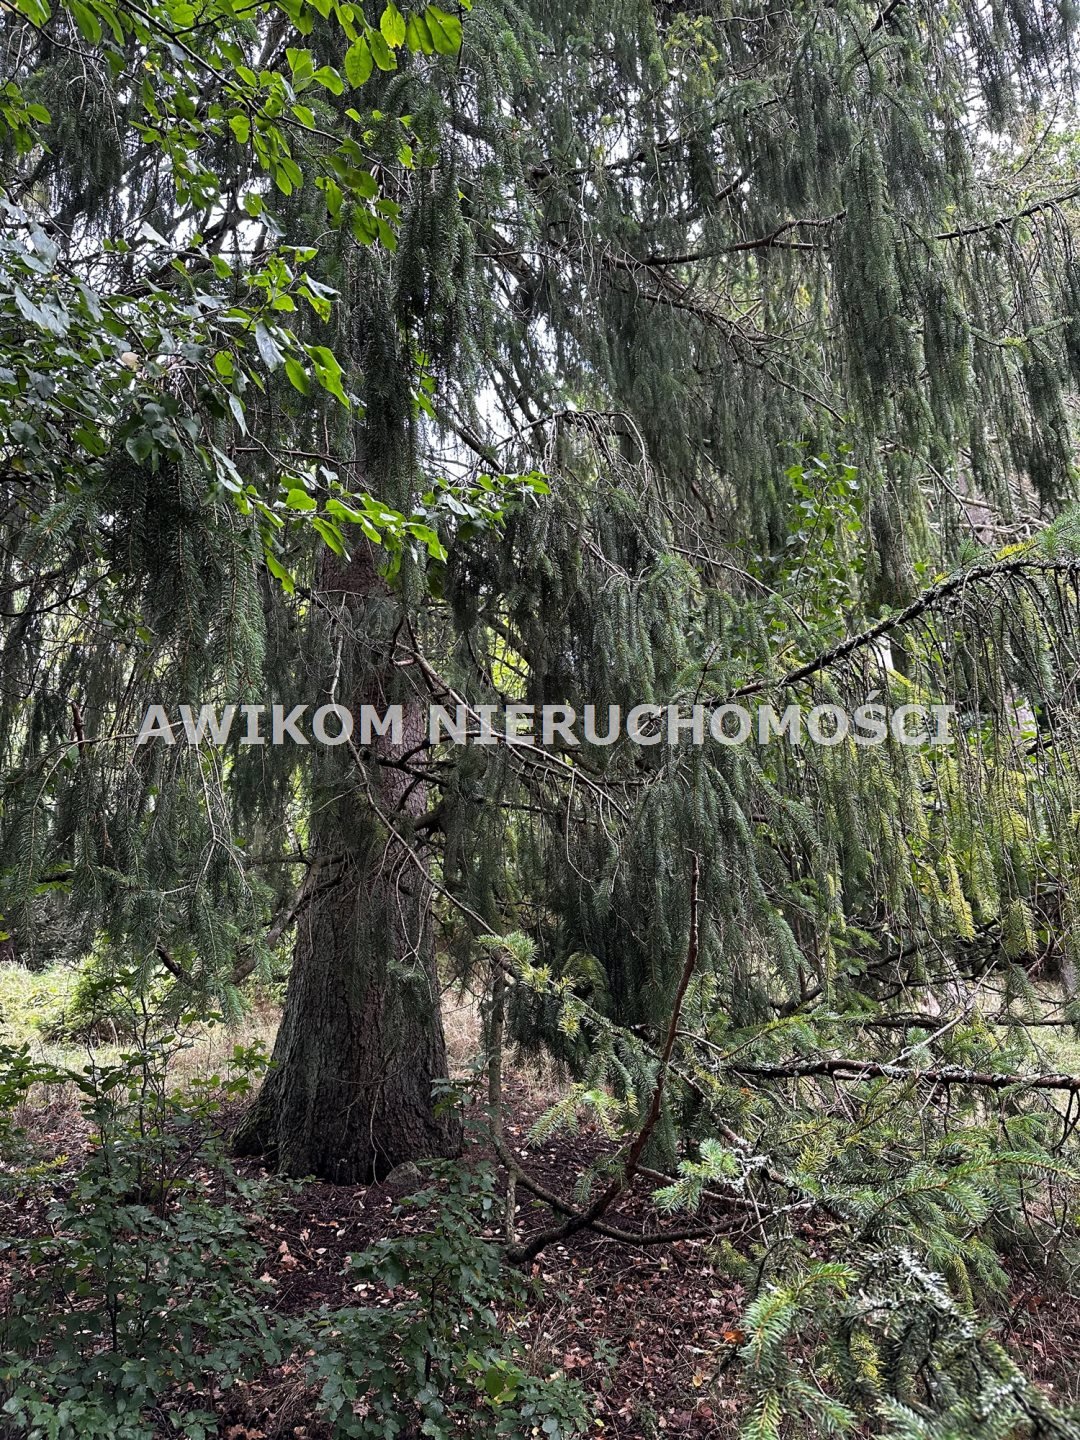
(652, 1333)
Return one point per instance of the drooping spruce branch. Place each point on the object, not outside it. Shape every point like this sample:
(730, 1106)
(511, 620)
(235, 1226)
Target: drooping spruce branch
(529, 1251)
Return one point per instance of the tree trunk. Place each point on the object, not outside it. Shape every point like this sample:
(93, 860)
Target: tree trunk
(360, 1045)
(361, 1040)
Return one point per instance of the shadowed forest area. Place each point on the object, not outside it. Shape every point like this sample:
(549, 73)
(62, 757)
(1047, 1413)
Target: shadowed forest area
(539, 719)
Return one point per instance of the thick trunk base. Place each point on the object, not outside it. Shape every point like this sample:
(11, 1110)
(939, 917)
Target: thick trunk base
(360, 1047)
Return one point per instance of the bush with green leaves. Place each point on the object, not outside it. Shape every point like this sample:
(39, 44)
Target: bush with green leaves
(136, 1303)
(438, 1359)
(108, 1000)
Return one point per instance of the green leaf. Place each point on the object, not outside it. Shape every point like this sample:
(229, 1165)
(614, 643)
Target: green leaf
(428, 537)
(417, 35)
(445, 30)
(240, 126)
(386, 235)
(381, 52)
(298, 499)
(139, 446)
(91, 440)
(88, 23)
(330, 79)
(27, 309)
(43, 245)
(293, 171)
(328, 371)
(365, 227)
(392, 26)
(36, 11)
(330, 533)
(288, 584)
(342, 511)
(298, 376)
(358, 62)
(268, 347)
(332, 191)
(495, 1382)
(108, 14)
(302, 66)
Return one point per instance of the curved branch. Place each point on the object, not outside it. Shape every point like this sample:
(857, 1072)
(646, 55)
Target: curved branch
(937, 593)
(873, 1069)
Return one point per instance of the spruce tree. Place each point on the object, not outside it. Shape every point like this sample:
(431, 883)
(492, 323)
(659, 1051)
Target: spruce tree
(673, 262)
(781, 304)
(148, 519)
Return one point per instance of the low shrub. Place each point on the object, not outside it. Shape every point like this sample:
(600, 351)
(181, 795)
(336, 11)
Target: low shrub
(137, 1304)
(438, 1359)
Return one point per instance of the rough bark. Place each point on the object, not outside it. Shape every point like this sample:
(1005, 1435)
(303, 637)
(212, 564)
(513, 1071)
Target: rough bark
(360, 1045)
(361, 1041)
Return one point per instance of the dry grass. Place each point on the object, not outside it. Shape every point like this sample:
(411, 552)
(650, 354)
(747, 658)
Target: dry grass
(535, 1079)
(209, 1048)
(463, 1030)
(53, 1115)
(31, 1004)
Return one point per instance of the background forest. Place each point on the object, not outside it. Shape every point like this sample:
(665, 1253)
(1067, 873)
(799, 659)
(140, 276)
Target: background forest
(557, 354)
